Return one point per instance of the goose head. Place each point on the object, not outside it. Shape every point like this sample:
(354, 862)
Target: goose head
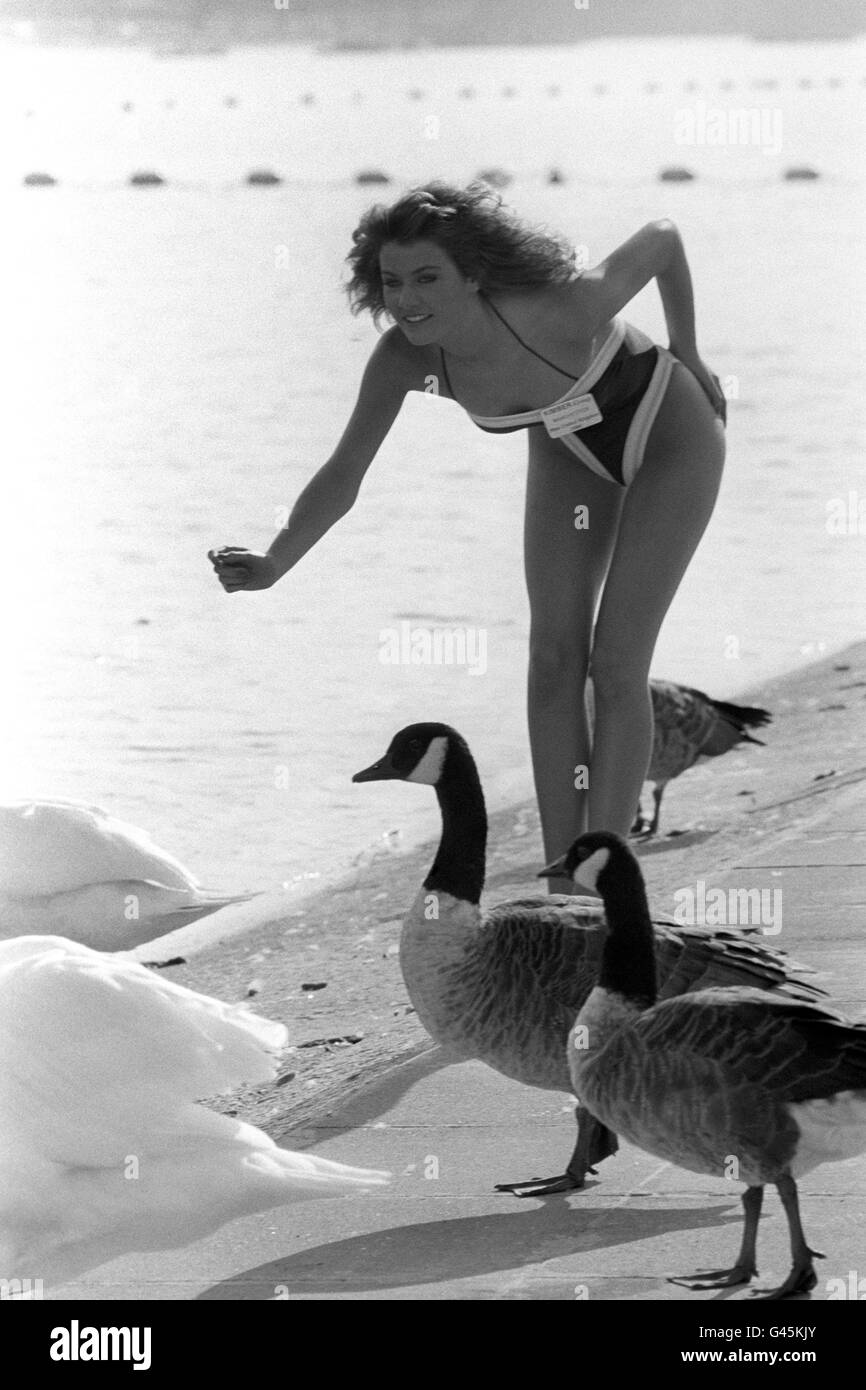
(588, 861)
(418, 753)
(436, 755)
(604, 863)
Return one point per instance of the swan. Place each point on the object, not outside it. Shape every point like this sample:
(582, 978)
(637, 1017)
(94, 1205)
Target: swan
(688, 727)
(735, 1082)
(70, 869)
(505, 986)
(103, 1149)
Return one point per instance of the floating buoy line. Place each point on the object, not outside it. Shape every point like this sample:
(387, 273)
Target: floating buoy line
(509, 92)
(496, 177)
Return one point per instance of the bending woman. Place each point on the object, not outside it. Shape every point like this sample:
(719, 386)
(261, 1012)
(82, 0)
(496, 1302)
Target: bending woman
(626, 446)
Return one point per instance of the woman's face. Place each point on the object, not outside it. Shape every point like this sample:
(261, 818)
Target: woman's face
(423, 290)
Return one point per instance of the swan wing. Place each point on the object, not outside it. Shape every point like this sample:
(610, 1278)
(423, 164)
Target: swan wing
(96, 1046)
(52, 846)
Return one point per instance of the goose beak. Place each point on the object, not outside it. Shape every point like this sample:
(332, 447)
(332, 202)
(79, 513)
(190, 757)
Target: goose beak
(382, 771)
(554, 870)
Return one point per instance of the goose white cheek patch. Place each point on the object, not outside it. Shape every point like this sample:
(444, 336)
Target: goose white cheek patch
(430, 766)
(590, 869)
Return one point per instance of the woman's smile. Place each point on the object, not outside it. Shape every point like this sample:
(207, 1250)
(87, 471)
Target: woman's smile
(416, 274)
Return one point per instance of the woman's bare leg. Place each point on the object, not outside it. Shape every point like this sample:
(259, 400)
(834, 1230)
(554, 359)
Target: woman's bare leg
(664, 515)
(565, 567)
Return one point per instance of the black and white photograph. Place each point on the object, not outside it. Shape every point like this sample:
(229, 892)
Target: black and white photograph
(433, 793)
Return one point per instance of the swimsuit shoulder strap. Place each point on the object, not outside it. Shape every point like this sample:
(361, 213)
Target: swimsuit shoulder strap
(514, 333)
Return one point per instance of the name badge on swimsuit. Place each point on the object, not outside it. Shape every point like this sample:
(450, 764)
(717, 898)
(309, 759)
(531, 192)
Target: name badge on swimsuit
(565, 417)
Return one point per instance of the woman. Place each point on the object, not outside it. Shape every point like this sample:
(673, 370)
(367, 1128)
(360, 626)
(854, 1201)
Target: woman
(626, 447)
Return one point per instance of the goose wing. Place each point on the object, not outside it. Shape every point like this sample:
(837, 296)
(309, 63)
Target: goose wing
(698, 958)
(683, 720)
(548, 947)
(730, 723)
(553, 945)
(795, 1050)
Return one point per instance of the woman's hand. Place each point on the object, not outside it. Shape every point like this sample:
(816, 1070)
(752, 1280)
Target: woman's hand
(707, 380)
(237, 568)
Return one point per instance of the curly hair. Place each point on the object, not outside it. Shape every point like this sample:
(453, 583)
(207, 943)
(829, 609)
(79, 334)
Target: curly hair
(486, 241)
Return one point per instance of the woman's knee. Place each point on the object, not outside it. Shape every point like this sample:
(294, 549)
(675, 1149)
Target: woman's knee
(617, 676)
(556, 658)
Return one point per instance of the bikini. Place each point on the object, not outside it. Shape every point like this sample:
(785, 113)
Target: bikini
(605, 417)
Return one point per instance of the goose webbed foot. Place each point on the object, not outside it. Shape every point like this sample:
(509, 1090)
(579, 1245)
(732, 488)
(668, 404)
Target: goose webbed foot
(639, 826)
(546, 1187)
(716, 1278)
(644, 829)
(595, 1142)
(745, 1267)
(802, 1279)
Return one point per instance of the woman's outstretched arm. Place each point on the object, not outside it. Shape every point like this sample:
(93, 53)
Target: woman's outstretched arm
(332, 491)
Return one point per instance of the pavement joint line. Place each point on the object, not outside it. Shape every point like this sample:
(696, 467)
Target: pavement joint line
(859, 863)
(847, 779)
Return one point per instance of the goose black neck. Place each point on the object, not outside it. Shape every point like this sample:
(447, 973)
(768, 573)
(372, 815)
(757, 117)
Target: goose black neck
(628, 963)
(458, 868)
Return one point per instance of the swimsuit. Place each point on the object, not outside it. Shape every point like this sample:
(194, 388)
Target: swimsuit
(605, 417)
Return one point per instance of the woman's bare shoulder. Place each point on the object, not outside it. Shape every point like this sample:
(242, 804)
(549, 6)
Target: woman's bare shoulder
(401, 363)
(568, 311)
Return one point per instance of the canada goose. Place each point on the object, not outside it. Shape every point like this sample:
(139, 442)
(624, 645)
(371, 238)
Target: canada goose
(103, 1150)
(506, 986)
(736, 1082)
(689, 726)
(77, 871)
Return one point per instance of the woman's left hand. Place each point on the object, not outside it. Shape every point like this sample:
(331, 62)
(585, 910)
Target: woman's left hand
(706, 379)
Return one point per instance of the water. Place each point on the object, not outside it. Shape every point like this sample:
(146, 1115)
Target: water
(183, 359)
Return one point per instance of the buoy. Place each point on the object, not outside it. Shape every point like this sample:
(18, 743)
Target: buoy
(230, 101)
(263, 177)
(554, 91)
(676, 174)
(767, 84)
(690, 86)
(39, 180)
(509, 91)
(555, 176)
(497, 178)
(357, 96)
(307, 99)
(801, 171)
(600, 89)
(652, 87)
(127, 106)
(371, 176)
(466, 93)
(415, 94)
(146, 178)
(727, 85)
(805, 82)
(834, 82)
(170, 104)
